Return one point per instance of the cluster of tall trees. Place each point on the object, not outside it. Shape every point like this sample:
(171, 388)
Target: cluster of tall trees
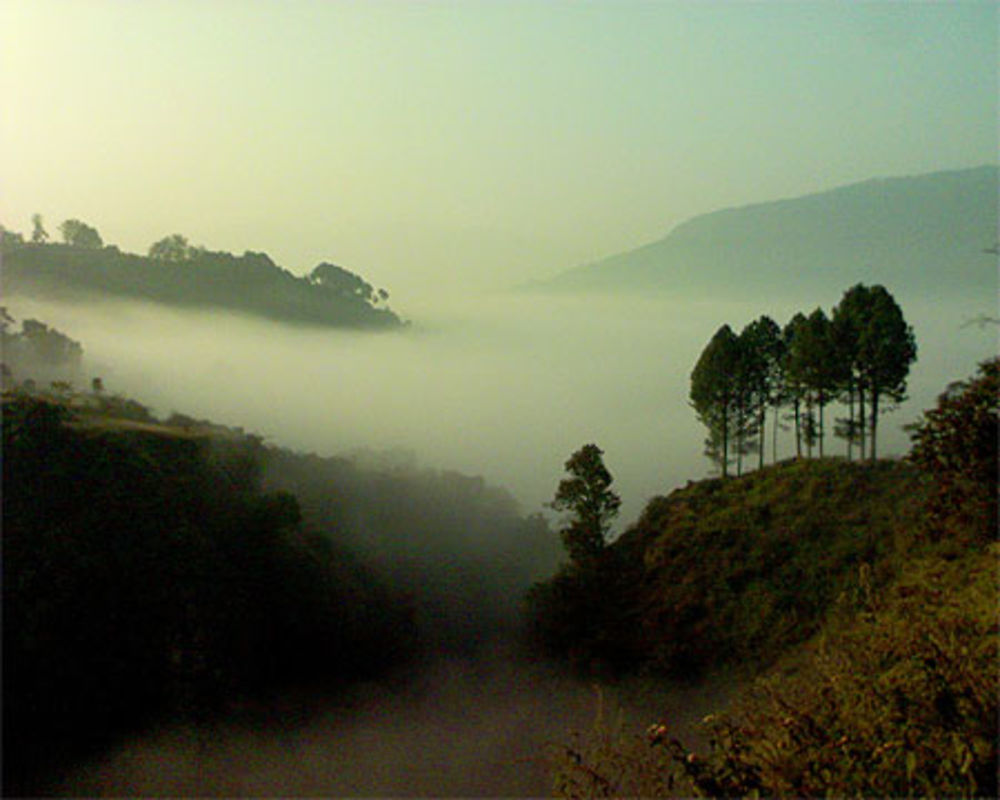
(859, 355)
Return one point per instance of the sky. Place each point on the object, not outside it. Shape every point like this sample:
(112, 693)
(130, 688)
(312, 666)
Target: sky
(470, 145)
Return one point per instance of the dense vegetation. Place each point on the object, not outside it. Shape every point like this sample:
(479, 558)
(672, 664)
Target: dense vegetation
(729, 571)
(36, 350)
(147, 574)
(456, 546)
(158, 571)
(860, 355)
(176, 273)
(890, 569)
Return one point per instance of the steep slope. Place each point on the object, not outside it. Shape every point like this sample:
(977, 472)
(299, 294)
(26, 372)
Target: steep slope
(731, 571)
(927, 232)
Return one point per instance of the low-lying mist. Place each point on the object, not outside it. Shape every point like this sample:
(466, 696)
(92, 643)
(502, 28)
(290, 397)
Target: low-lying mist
(490, 727)
(502, 386)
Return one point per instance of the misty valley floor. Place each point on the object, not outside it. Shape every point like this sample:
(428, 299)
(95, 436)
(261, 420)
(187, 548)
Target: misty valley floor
(460, 728)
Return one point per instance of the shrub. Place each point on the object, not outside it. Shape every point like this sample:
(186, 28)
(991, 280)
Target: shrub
(957, 443)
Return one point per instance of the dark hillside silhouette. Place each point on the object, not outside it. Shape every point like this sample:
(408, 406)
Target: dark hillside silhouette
(147, 576)
(189, 277)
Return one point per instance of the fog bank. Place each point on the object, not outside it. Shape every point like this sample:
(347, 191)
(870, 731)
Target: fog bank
(500, 386)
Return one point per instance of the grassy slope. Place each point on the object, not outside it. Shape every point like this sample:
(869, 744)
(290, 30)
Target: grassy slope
(739, 570)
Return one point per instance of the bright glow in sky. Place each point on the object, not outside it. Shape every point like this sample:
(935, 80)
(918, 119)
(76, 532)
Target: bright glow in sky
(469, 144)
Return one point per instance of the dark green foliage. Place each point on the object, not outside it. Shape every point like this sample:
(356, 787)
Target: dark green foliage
(251, 283)
(345, 283)
(882, 348)
(813, 365)
(582, 616)
(37, 353)
(956, 443)
(863, 352)
(80, 234)
(763, 350)
(172, 248)
(738, 571)
(146, 574)
(458, 548)
(576, 615)
(714, 393)
(38, 233)
(587, 495)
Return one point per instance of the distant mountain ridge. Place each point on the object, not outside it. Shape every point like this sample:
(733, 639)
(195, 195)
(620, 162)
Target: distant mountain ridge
(928, 232)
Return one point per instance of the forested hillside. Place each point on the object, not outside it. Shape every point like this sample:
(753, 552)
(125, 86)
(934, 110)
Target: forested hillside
(152, 574)
(866, 592)
(177, 274)
(146, 575)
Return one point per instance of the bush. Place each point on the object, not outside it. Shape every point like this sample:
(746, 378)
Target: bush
(957, 444)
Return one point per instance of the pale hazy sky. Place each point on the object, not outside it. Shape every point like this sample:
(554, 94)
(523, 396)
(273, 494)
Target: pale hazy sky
(470, 143)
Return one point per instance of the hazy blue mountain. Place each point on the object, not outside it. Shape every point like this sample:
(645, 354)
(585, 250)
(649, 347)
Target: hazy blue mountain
(925, 232)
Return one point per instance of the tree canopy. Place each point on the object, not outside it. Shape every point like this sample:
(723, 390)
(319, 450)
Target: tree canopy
(171, 248)
(38, 233)
(593, 505)
(860, 355)
(80, 234)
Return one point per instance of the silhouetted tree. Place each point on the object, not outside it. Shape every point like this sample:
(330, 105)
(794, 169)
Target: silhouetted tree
(342, 281)
(762, 350)
(49, 345)
(844, 333)
(80, 234)
(38, 233)
(592, 503)
(793, 389)
(884, 349)
(814, 365)
(171, 248)
(714, 393)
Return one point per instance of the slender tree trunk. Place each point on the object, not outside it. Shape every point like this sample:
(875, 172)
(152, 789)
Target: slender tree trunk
(774, 434)
(822, 402)
(863, 420)
(850, 421)
(874, 405)
(798, 431)
(761, 436)
(725, 442)
(740, 433)
(810, 432)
